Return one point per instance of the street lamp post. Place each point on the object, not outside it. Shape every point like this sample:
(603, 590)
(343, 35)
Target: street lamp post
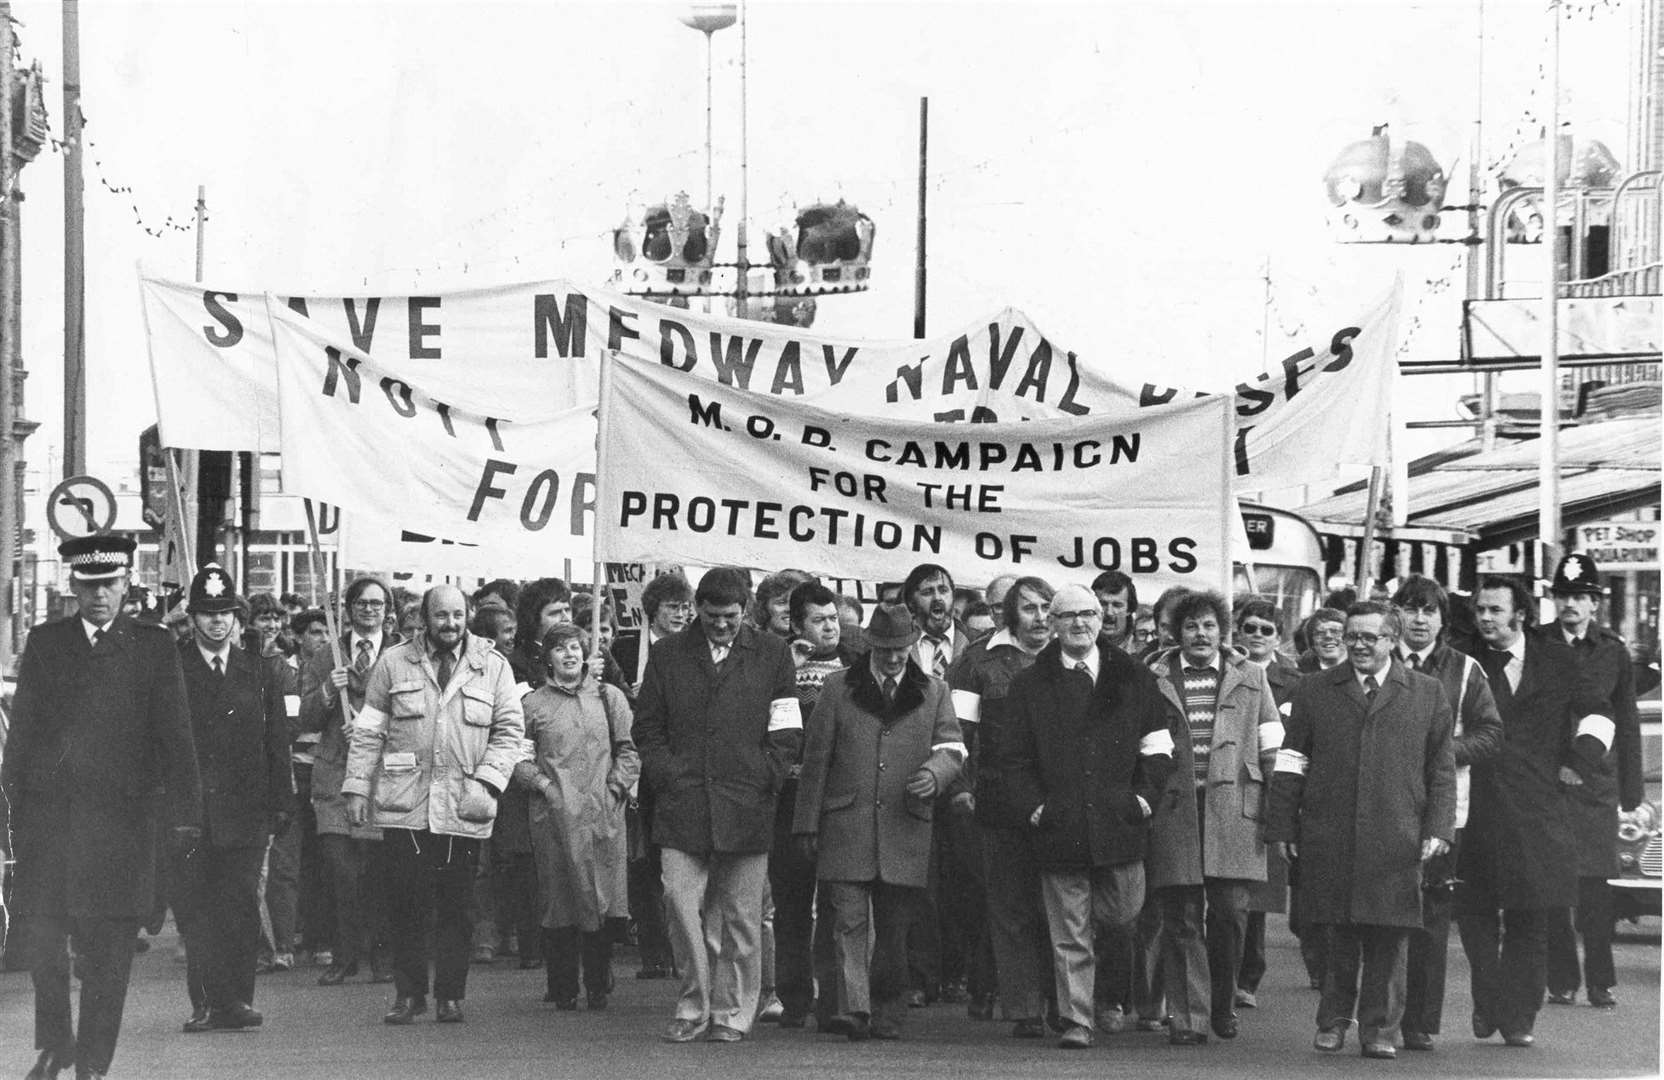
(708, 19)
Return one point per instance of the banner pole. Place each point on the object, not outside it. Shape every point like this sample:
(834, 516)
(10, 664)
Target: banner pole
(603, 407)
(1227, 503)
(328, 605)
(1366, 549)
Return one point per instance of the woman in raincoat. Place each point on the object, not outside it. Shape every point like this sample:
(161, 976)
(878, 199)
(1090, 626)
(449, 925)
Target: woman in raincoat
(580, 767)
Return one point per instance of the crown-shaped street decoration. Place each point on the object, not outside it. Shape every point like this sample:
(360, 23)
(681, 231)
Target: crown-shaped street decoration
(828, 251)
(1384, 191)
(768, 301)
(1584, 164)
(667, 251)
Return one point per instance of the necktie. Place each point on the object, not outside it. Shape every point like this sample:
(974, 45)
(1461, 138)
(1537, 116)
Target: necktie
(361, 663)
(939, 660)
(1495, 665)
(1370, 687)
(219, 668)
(97, 636)
(1080, 666)
(1415, 661)
(889, 691)
(447, 665)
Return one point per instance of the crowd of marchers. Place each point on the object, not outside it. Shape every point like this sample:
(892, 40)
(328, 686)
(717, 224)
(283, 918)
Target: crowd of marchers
(1042, 800)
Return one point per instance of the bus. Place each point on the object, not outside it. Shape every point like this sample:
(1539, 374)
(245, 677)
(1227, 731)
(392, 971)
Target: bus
(1283, 563)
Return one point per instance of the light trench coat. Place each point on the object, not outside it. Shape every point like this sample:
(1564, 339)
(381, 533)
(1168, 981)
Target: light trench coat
(581, 764)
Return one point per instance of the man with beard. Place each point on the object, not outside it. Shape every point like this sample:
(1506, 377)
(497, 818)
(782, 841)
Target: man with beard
(941, 944)
(239, 727)
(439, 735)
(98, 725)
(1519, 860)
(1015, 921)
(1595, 792)
(1423, 606)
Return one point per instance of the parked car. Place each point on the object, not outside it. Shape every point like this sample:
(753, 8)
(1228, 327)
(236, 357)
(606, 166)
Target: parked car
(1638, 890)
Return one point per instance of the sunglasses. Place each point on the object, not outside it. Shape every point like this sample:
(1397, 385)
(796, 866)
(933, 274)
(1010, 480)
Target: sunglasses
(1258, 629)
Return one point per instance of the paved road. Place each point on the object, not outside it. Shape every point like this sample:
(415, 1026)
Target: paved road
(314, 1032)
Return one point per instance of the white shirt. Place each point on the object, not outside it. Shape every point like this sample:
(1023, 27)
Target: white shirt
(926, 650)
(223, 654)
(1091, 660)
(352, 651)
(1422, 655)
(1379, 677)
(90, 629)
(1514, 667)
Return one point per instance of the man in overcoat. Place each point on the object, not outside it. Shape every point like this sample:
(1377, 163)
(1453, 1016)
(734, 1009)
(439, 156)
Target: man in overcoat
(1363, 794)
(1519, 859)
(717, 723)
(240, 728)
(1089, 751)
(882, 742)
(1595, 791)
(99, 731)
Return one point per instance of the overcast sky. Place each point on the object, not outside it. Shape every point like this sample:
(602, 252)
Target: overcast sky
(1120, 171)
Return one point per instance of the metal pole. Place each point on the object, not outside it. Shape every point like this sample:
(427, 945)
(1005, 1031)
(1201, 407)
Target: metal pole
(1366, 552)
(710, 63)
(1548, 487)
(744, 266)
(8, 347)
(75, 358)
(919, 264)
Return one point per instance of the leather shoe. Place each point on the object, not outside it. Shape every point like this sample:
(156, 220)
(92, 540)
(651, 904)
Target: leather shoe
(1383, 1051)
(1482, 1028)
(794, 1020)
(1032, 1028)
(915, 999)
(49, 1065)
(1417, 1040)
(885, 1029)
(235, 1017)
(405, 1010)
(833, 1025)
(1245, 999)
(722, 1033)
(1152, 1023)
(682, 1031)
(1077, 1037)
(336, 974)
(1602, 999)
(84, 1073)
(857, 1027)
(1519, 1038)
(1225, 1027)
(1187, 1038)
(199, 1022)
(1330, 1039)
(448, 1012)
(1557, 997)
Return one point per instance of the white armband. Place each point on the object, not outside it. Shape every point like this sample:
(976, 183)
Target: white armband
(956, 748)
(1291, 761)
(1603, 729)
(784, 714)
(291, 705)
(1286, 709)
(1271, 735)
(370, 717)
(1156, 743)
(967, 705)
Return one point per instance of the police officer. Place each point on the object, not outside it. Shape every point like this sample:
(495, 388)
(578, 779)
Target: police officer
(99, 745)
(238, 723)
(1594, 791)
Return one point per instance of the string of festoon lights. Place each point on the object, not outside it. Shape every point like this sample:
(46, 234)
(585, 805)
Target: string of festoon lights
(169, 224)
(1431, 287)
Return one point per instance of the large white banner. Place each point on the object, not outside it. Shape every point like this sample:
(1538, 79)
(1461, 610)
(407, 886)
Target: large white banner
(537, 347)
(699, 472)
(384, 446)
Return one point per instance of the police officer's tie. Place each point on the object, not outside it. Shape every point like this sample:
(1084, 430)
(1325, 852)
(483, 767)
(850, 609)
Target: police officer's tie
(219, 668)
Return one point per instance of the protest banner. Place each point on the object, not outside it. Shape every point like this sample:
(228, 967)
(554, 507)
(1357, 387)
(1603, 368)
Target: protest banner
(385, 447)
(539, 344)
(703, 473)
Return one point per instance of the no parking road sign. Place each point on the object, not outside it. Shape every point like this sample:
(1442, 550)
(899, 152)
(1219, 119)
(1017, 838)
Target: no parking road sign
(81, 506)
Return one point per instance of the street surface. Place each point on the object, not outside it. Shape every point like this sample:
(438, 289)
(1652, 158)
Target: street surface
(312, 1031)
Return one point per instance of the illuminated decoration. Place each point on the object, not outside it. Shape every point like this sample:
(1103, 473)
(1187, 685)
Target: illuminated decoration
(1384, 191)
(667, 253)
(829, 251)
(1585, 165)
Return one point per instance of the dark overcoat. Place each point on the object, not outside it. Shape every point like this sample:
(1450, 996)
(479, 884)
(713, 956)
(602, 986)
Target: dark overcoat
(239, 727)
(1616, 778)
(1074, 748)
(1380, 778)
(1272, 894)
(100, 744)
(708, 753)
(1518, 849)
(858, 755)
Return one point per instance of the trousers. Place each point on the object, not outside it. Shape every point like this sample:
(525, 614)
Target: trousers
(427, 873)
(104, 957)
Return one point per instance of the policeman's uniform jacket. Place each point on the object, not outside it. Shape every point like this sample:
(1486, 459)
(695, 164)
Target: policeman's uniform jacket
(100, 744)
(239, 726)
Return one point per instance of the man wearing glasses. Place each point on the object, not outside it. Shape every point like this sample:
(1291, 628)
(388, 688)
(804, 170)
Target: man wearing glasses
(348, 851)
(1364, 794)
(1424, 607)
(1323, 645)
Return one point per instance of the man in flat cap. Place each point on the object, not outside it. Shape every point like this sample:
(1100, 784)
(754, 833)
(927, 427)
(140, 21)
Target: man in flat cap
(238, 723)
(99, 730)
